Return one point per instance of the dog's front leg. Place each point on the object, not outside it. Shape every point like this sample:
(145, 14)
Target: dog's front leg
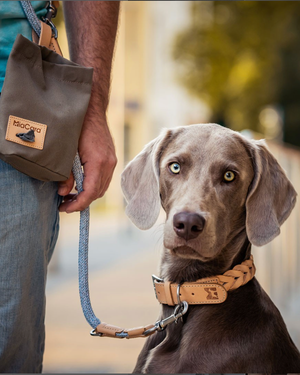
(151, 343)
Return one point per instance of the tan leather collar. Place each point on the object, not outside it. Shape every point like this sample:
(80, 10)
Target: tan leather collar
(209, 290)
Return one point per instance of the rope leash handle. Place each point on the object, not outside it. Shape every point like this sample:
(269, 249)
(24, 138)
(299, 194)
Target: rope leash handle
(84, 215)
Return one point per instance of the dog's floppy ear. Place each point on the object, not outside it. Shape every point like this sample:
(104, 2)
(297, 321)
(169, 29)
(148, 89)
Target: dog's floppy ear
(140, 183)
(271, 197)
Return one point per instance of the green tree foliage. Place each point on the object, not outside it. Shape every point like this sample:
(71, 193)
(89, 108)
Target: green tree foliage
(240, 56)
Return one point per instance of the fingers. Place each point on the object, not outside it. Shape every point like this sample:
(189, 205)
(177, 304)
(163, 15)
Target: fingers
(67, 200)
(65, 187)
(95, 184)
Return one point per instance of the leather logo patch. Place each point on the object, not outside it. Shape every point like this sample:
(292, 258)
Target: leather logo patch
(211, 293)
(18, 126)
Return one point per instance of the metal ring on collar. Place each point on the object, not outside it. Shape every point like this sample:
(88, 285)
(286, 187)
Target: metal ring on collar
(178, 293)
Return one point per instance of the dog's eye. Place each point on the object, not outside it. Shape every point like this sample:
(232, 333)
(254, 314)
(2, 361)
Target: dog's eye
(174, 168)
(229, 176)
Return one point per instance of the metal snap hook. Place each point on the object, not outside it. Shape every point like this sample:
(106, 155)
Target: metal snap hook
(95, 333)
(160, 325)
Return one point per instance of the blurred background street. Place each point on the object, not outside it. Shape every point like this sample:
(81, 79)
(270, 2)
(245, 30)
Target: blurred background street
(235, 63)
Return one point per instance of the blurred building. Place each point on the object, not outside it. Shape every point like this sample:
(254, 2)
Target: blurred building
(153, 97)
(146, 95)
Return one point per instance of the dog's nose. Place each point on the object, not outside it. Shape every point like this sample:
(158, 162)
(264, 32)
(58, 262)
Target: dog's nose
(188, 225)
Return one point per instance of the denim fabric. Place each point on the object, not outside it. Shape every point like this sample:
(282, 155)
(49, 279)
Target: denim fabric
(29, 223)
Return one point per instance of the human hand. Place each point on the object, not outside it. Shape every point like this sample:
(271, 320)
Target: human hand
(97, 154)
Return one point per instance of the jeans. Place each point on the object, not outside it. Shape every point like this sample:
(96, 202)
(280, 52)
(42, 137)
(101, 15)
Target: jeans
(29, 223)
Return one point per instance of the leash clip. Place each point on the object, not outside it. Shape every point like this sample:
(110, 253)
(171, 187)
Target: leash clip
(51, 24)
(160, 325)
(52, 10)
(94, 332)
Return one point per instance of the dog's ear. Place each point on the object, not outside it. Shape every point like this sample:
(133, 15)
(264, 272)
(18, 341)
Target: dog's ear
(140, 183)
(270, 199)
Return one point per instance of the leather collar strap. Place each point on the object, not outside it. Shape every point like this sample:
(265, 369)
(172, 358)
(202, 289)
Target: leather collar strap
(209, 290)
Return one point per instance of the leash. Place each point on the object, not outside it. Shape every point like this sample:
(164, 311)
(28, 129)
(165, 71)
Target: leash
(83, 272)
(78, 176)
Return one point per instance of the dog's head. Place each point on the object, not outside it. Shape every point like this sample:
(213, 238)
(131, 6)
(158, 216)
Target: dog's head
(213, 184)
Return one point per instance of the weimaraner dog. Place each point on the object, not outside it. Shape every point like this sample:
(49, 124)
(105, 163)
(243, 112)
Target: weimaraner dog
(221, 193)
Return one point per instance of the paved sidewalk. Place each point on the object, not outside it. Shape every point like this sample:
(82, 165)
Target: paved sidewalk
(122, 260)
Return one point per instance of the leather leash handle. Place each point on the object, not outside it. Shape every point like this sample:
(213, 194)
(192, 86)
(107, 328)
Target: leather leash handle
(108, 330)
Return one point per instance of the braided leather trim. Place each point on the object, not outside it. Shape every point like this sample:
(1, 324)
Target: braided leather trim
(238, 276)
(209, 290)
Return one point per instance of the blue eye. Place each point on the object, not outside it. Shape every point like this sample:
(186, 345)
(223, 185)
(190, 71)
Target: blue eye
(174, 168)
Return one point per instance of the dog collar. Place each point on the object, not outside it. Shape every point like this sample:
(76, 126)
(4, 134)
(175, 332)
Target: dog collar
(210, 290)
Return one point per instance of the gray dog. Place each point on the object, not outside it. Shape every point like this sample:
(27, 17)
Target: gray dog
(221, 193)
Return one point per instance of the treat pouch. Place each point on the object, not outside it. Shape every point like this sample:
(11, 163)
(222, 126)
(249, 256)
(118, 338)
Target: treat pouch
(42, 109)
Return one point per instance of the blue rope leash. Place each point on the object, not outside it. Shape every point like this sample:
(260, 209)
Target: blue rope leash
(83, 251)
(84, 215)
(31, 16)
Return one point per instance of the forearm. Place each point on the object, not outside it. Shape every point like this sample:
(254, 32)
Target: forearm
(91, 29)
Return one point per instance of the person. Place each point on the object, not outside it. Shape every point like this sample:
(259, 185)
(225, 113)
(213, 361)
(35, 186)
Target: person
(29, 208)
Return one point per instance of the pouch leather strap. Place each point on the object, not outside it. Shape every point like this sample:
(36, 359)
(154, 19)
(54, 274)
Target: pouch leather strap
(42, 33)
(56, 4)
(208, 290)
(46, 38)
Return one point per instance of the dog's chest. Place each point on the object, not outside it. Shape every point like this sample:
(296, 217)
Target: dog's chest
(189, 340)
(236, 336)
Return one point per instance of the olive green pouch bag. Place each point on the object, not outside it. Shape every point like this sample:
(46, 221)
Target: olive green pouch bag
(42, 109)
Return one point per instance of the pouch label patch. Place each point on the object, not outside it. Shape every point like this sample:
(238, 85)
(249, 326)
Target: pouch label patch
(17, 125)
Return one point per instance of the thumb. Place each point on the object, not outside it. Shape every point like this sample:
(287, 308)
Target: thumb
(65, 187)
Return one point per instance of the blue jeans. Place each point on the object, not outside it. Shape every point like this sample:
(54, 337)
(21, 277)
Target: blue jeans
(29, 224)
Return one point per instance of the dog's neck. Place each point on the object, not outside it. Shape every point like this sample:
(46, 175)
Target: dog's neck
(177, 269)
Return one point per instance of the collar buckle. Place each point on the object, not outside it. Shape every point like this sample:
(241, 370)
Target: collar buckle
(157, 279)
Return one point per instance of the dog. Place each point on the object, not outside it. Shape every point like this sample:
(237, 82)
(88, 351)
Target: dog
(221, 192)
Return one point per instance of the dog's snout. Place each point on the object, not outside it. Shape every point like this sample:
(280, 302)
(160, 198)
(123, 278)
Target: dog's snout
(188, 225)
